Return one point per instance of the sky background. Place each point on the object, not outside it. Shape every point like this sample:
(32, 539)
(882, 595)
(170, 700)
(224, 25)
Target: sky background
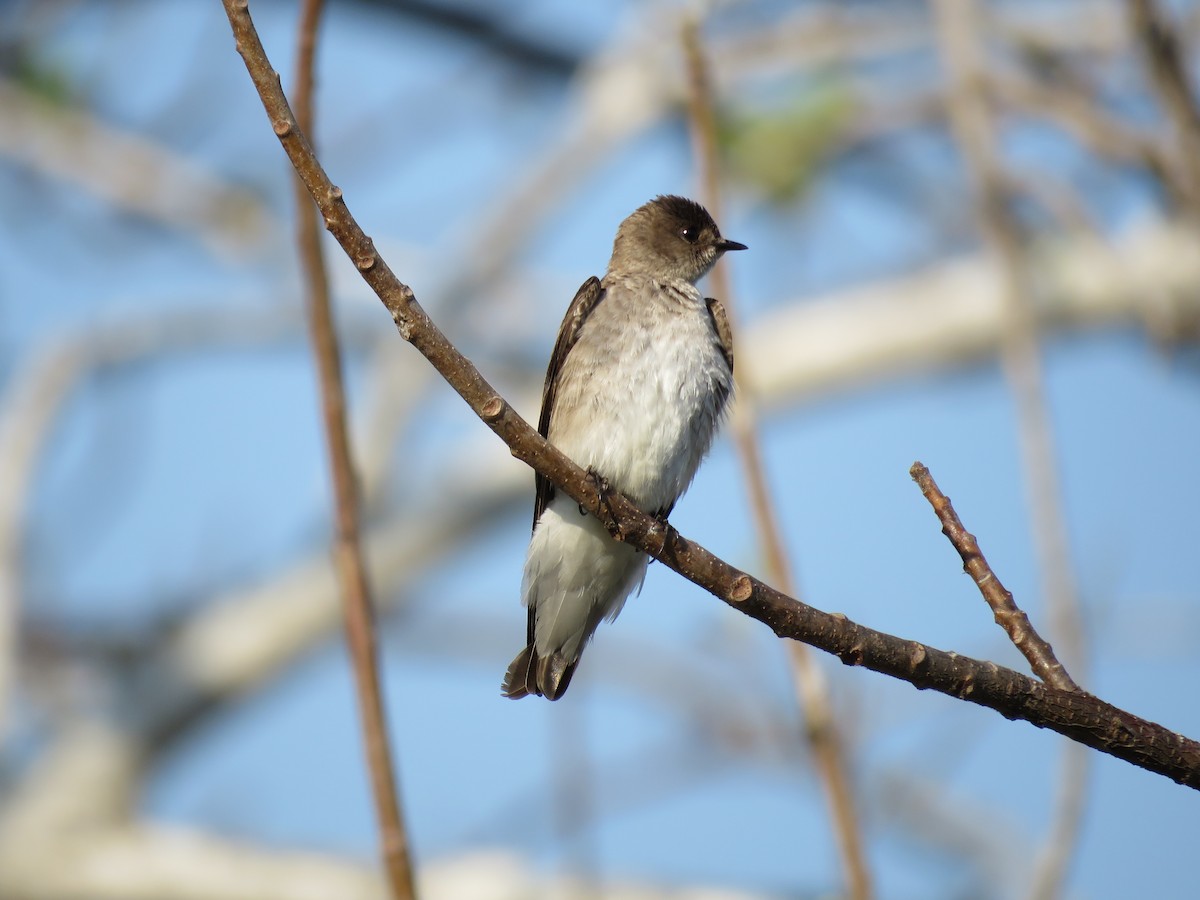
(183, 475)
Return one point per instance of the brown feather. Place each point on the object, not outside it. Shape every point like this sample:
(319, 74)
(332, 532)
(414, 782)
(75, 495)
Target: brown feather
(589, 294)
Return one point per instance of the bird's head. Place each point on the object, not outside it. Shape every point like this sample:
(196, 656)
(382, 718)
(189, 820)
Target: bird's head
(670, 238)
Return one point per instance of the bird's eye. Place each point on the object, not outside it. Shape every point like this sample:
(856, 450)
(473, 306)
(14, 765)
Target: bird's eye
(689, 234)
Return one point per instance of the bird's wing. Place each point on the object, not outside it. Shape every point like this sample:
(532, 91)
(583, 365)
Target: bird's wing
(586, 299)
(720, 321)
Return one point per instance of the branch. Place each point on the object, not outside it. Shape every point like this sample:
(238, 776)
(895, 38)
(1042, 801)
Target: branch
(347, 547)
(1078, 715)
(1008, 615)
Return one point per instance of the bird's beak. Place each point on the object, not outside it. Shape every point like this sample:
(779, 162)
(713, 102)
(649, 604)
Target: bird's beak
(730, 245)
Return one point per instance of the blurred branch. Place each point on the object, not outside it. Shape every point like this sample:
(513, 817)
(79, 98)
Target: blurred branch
(1166, 61)
(1008, 615)
(347, 546)
(625, 88)
(487, 27)
(1078, 115)
(622, 89)
(813, 37)
(1077, 715)
(1059, 200)
(952, 313)
(971, 123)
(130, 172)
(812, 692)
(33, 401)
(962, 57)
(67, 832)
(628, 86)
(239, 640)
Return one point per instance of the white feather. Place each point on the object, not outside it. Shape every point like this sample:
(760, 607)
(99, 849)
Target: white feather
(639, 398)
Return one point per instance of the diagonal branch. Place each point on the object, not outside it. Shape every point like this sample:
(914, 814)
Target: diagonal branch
(1077, 715)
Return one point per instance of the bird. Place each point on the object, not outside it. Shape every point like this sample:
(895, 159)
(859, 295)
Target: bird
(637, 386)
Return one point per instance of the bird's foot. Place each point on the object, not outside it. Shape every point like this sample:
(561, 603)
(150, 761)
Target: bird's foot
(661, 527)
(603, 492)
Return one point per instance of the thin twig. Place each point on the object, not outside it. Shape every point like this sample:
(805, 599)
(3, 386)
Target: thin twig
(958, 38)
(1076, 714)
(347, 548)
(1008, 615)
(812, 691)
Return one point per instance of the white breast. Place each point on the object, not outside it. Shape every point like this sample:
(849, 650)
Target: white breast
(642, 390)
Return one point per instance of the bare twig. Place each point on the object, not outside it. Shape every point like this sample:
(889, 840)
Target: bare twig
(1076, 714)
(1008, 615)
(347, 549)
(812, 691)
(958, 34)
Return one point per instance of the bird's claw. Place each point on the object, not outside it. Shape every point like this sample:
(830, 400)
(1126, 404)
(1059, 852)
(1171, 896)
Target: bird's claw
(661, 527)
(603, 491)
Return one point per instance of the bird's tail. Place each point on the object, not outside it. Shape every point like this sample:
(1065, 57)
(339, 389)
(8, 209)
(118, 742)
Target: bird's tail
(518, 680)
(545, 676)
